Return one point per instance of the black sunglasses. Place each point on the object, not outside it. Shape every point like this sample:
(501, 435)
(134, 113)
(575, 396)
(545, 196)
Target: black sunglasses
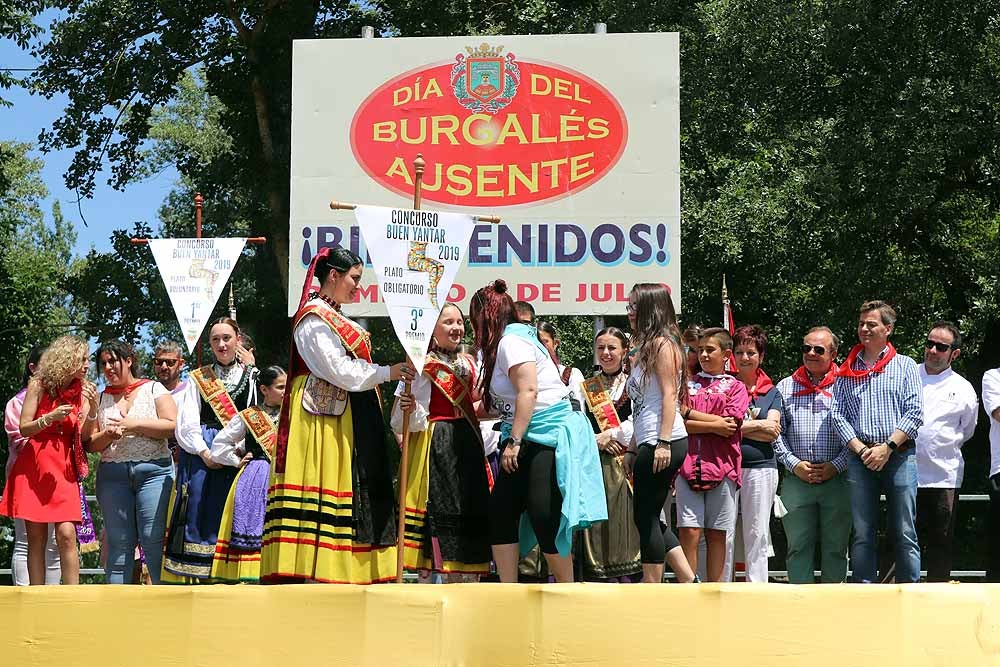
(818, 349)
(170, 363)
(940, 347)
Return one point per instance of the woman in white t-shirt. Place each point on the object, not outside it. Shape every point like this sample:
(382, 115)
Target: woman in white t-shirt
(560, 493)
(135, 417)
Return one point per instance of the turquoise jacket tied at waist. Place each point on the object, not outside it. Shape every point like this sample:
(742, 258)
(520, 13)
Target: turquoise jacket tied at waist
(578, 465)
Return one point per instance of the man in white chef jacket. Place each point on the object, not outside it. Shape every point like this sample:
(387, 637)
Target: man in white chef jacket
(951, 408)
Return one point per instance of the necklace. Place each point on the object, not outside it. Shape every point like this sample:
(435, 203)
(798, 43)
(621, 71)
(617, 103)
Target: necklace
(611, 384)
(325, 299)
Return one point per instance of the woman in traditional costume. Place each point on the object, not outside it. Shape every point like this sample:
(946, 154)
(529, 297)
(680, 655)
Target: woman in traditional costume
(43, 485)
(549, 465)
(214, 396)
(247, 443)
(448, 478)
(330, 506)
(610, 550)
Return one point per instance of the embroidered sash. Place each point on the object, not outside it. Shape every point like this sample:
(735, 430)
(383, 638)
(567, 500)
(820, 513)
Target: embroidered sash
(356, 340)
(600, 403)
(262, 428)
(214, 393)
(454, 388)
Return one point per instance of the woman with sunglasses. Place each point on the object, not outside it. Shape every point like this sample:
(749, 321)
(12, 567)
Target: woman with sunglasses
(760, 428)
(215, 394)
(135, 417)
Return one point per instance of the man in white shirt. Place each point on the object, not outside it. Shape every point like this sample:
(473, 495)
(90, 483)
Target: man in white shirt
(991, 403)
(950, 412)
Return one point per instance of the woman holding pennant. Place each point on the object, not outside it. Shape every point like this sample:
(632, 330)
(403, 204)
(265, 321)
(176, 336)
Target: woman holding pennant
(330, 509)
(448, 477)
(247, 444)
(214, 396)
(549, 465)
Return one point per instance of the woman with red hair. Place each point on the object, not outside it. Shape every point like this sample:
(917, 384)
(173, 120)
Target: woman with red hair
(549, 467)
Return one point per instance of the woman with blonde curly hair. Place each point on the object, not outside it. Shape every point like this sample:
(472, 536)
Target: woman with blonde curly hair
(43, 484)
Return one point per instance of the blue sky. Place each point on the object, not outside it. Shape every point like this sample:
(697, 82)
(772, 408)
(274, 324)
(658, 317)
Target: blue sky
(109, 209)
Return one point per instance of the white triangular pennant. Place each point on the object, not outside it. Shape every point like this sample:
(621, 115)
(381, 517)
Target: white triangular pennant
(410, 250)
(195, 271)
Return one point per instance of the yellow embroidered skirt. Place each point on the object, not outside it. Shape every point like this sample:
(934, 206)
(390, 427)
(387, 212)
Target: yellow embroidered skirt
(310, 523)
(447, 501)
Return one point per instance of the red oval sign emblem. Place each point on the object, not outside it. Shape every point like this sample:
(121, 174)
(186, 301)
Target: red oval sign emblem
(494, 131)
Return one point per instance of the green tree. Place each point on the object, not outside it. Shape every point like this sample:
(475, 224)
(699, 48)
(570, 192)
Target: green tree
(118, 61)
(35, 262)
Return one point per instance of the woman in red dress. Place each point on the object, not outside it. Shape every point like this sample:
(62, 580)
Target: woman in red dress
(42, 486)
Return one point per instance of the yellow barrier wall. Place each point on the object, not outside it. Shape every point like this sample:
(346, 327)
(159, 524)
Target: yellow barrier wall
(729, 625)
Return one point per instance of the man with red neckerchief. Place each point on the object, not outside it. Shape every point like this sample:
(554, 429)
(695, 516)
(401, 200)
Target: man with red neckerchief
(815, 495)
(878, 408)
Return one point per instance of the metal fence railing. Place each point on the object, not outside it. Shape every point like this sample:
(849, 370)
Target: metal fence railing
(962, 574)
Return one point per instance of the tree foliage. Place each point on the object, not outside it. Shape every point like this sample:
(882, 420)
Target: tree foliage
(35, 263)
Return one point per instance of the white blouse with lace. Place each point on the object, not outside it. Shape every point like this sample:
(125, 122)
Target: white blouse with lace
(134, 447)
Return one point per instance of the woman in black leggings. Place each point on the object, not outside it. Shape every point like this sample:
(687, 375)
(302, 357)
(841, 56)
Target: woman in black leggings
(659, 442)
(522, 384)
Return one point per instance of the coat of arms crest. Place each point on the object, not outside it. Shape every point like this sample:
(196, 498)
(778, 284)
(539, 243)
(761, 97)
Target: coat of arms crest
(485, 81)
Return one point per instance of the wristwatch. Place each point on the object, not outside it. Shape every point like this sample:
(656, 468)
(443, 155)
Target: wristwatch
(510, 441)
(892, 445)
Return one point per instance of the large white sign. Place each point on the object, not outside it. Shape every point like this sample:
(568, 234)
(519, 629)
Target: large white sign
(416, 255)
(573, 140)
(195, 271)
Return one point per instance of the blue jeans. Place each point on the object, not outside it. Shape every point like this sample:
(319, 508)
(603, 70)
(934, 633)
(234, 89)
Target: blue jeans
(134, 498)
(898, 481)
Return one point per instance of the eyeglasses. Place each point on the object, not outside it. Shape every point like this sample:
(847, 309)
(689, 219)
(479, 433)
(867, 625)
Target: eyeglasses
(940, 347)
(169, 363)
(818, 349)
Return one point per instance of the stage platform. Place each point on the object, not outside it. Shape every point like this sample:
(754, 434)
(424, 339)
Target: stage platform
(708, 625)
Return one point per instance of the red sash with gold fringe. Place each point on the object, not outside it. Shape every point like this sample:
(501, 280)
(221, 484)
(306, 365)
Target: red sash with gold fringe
(600, 403)
(214, 393)
(356, 340)
(452, 386)
(258, 423)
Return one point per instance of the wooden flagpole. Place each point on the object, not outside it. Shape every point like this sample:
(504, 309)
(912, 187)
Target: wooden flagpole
(404, 456)
(418, 176)
(199, 202)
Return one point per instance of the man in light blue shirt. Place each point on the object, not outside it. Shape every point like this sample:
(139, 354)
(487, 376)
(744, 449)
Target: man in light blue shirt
(878, 408)
(815, 494)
